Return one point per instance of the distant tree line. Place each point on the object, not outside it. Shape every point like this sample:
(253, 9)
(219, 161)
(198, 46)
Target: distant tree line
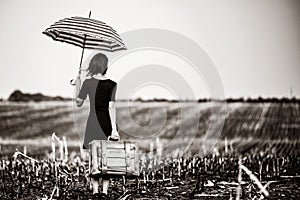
(18, 96)
(264, 100)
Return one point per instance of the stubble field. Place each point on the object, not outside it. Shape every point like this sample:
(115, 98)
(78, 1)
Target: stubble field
(259, 132)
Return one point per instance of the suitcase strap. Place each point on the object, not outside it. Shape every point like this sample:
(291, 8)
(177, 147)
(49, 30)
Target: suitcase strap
(104, 158)
(129, 170)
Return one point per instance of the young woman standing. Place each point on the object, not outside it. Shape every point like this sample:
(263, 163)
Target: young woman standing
(101, 121)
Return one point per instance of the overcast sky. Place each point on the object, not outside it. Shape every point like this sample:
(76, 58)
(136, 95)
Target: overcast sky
(254, 44)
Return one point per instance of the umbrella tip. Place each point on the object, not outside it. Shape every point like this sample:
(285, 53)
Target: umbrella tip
(90, 14)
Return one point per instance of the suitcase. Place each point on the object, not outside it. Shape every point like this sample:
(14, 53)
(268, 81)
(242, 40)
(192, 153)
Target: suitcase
(114, 158)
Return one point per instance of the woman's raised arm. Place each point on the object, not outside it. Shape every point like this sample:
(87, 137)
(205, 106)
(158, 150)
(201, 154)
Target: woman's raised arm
(79, 101)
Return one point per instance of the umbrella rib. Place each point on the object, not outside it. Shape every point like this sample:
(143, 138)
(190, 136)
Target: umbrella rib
(88, 41)
(82, 54)
(69, 30)
(86, 23)
(87, 45)
(78, 26)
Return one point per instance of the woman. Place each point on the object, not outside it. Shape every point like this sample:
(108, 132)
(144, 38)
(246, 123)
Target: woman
(101, 122)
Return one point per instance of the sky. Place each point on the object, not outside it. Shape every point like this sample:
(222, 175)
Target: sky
(254, 44)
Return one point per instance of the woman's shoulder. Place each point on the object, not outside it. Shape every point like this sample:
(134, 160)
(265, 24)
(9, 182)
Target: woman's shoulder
(91, 80)
(113, 82)
(109, 81)
(87, 81)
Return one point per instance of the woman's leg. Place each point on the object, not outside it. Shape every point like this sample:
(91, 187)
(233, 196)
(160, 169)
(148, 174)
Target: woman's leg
(85, 155)
(105, 185)
(95, 185)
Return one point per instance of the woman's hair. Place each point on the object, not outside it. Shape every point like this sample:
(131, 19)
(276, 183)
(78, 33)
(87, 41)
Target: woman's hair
(98, 64)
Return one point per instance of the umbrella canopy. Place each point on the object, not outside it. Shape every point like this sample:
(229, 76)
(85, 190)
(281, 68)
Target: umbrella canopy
(86, 33)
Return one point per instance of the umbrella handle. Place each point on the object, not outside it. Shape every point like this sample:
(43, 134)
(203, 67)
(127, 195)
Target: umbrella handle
(72, 82)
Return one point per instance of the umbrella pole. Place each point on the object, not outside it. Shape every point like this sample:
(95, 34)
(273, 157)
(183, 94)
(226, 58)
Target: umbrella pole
(83, 49)
(82, 55)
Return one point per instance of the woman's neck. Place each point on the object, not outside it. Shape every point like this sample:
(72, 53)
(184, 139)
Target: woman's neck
(99, 76)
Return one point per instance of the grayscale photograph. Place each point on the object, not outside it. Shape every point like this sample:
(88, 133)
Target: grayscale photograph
(150, 99)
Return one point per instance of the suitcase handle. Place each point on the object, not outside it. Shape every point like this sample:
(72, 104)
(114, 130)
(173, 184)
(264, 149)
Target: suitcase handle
(109, 138)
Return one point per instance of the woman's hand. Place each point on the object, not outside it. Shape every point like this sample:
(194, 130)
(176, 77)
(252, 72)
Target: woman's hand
(115, 135)
(77, 81)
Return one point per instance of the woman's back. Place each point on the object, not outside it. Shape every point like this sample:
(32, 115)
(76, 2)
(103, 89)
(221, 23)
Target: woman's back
(100, 92)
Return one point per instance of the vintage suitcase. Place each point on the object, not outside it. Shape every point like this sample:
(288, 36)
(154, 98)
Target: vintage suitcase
(110, 158)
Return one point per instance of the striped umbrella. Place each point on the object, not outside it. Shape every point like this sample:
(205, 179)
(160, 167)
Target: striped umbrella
(86, 33)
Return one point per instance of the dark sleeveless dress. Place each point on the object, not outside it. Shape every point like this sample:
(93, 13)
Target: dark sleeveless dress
(100, 93)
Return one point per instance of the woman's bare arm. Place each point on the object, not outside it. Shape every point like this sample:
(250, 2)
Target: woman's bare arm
(79, 101)
(112, 113)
